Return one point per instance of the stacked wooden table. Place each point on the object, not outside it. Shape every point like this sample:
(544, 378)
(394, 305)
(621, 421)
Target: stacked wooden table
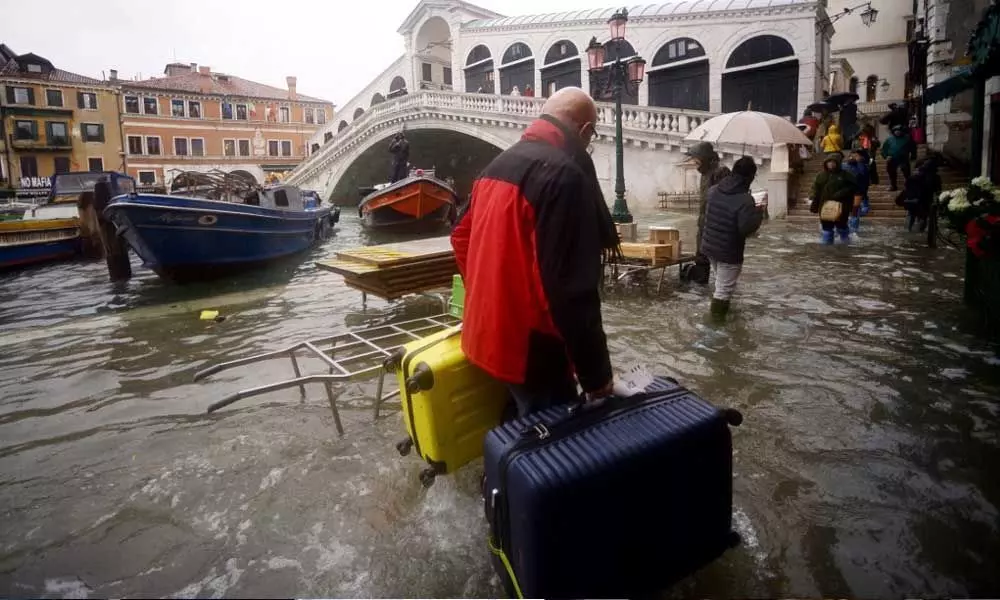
(391, 271)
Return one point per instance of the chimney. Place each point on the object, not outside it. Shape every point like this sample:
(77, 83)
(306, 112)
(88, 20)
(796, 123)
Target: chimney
(292, 95)
(205, 80)
(194, 67)
(205, 70)
(114, 74)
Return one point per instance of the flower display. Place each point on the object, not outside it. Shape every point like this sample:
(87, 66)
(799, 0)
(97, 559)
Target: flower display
(974, 212)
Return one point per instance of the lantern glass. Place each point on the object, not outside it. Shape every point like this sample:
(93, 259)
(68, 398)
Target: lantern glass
(636, 70)
(595, 55)
(869, 16)
(617, 25)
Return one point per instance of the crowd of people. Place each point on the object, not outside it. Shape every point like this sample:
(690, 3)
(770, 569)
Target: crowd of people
(839, 194)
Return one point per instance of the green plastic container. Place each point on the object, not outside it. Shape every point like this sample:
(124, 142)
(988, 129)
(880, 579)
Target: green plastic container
(457, 303)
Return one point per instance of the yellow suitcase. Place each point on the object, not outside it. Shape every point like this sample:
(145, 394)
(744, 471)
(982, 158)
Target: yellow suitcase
(448, 404)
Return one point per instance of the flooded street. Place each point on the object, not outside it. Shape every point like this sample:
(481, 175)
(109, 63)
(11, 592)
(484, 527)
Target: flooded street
(868, 464)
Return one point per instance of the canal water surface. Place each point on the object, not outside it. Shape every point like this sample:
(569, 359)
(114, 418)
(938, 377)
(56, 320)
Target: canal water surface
(868, 464)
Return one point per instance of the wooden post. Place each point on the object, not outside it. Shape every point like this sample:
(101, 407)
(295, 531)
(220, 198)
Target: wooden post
(90, 232)
(115, 249)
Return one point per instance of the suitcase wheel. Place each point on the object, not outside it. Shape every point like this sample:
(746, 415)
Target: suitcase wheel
(733, 416)
(404, 446)
(427, 477)
(421, 380)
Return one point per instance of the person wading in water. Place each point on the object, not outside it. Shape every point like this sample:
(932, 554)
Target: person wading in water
(712, 172)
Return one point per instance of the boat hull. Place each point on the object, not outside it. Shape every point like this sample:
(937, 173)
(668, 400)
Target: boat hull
(415, 203)
(24, 243)
(184, 239)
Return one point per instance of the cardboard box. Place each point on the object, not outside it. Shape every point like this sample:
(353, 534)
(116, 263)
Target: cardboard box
(655, 253)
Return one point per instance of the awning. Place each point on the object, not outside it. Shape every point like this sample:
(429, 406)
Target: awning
(948, 88)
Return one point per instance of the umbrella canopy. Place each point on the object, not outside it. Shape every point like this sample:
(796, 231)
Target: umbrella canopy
(748, 128)
(842, 98)
(823, 107)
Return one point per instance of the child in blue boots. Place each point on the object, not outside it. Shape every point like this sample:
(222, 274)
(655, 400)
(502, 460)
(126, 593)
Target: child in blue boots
(833, 198)
(857, 165)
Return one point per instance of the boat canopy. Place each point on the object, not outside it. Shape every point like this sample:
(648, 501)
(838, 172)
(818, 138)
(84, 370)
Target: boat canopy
(285, 197)
(67, 187)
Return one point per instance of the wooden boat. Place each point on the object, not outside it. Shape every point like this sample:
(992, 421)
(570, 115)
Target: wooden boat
(207, 235)
(421, 201)
(51, 231)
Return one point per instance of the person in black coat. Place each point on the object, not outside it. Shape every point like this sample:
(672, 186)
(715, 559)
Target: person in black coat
(731, 216)
(400, 150)
(919, 193)
(849, 122)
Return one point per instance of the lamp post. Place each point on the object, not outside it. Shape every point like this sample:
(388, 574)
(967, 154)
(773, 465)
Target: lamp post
(868, 16)
(621, 75)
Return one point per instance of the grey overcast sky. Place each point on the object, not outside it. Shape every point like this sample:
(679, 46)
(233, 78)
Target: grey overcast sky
(334, 47)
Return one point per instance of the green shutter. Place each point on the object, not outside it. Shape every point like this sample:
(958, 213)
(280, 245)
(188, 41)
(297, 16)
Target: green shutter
(10, 94)
(34, 130)
(79, 100)
(31, 96)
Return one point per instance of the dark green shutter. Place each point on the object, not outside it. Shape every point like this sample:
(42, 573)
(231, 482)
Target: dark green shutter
(10, 94)
(79, 100)
(31, 96)
(34, 130)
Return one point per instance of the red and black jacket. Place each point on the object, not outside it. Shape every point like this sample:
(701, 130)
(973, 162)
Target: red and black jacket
(529, 248)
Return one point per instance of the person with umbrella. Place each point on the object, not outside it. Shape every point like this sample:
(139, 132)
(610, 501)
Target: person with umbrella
(712, 172)
(849, 121)
(833, 198)
(857, 165)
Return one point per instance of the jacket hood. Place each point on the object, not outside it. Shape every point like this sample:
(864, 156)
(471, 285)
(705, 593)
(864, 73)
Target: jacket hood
(834, 130)
(734, 184)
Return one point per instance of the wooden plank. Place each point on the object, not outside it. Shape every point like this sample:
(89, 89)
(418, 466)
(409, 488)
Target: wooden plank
(656, 253)
(355, 268)
(400, 253)
(393, 294)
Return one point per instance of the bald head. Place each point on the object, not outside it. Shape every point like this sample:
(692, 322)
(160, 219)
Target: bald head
(573, 108)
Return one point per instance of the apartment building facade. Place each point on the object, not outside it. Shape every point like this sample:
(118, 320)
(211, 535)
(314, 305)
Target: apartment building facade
(52, 121)
(194, 119)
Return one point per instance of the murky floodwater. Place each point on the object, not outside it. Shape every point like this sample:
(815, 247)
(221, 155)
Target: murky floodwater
(868, 465)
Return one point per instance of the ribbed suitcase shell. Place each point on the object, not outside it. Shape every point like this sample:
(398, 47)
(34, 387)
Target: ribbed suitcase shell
(448, 420)
(619, 500)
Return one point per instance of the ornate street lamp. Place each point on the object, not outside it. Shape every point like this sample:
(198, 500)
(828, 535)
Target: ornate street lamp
(621, 76)
(869, 15)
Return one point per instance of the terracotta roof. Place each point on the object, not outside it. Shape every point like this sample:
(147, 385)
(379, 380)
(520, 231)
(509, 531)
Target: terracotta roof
(191, 83)
(12, 69)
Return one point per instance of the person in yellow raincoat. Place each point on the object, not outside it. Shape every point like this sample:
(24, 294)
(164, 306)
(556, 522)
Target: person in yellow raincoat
(833, 142)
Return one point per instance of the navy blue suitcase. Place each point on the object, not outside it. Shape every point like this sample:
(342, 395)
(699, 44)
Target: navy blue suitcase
(619, 500)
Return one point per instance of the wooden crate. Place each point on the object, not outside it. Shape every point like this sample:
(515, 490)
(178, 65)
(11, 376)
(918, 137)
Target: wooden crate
(663, 235)
(655, 253)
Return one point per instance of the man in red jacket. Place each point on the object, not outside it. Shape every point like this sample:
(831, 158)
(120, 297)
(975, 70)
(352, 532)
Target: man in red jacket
(530, 247)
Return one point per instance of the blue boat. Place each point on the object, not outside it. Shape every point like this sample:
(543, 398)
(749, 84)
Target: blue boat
(51, 231)
(185, 238)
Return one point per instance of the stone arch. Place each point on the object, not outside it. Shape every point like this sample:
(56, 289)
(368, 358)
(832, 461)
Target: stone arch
(517, 68)
(397, 87)
(678, 75)
(377, 99)
(329, 134)
(385, 130)
(561, 67)
(762, 72)
(244, 174)
(314, 148)
(432, 48)
(357, 113)
(479, 70)
(598, 81)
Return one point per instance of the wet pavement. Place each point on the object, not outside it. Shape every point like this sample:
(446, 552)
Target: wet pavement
(868, 464)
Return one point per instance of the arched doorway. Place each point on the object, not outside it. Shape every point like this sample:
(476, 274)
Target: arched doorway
(397, 87)
(432, 49)
(678, 77)
(561, 68)
(314, 148)
(377, 99)
(340, 127)
(763, 73)
(599, 89)
(517, 68)
(479, 71)
(357, 113)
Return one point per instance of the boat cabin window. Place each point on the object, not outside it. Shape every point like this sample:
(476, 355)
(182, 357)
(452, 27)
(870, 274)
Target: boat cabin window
(280, 198)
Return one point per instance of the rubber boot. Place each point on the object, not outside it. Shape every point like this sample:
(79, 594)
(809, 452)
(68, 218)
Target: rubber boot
(853, 224)
(826, 237)
(909, 221)
(719, 309)
(845, 234)
(866, 207)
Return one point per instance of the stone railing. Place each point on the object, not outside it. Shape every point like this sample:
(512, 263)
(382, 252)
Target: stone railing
(651, 124)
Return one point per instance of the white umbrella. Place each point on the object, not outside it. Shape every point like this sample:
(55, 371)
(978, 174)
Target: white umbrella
(748, 128)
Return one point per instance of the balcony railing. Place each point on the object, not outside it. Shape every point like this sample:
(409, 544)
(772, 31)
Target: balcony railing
(52, 144)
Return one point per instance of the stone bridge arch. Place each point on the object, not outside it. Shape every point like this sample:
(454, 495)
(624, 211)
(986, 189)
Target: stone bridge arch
(377, 139)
